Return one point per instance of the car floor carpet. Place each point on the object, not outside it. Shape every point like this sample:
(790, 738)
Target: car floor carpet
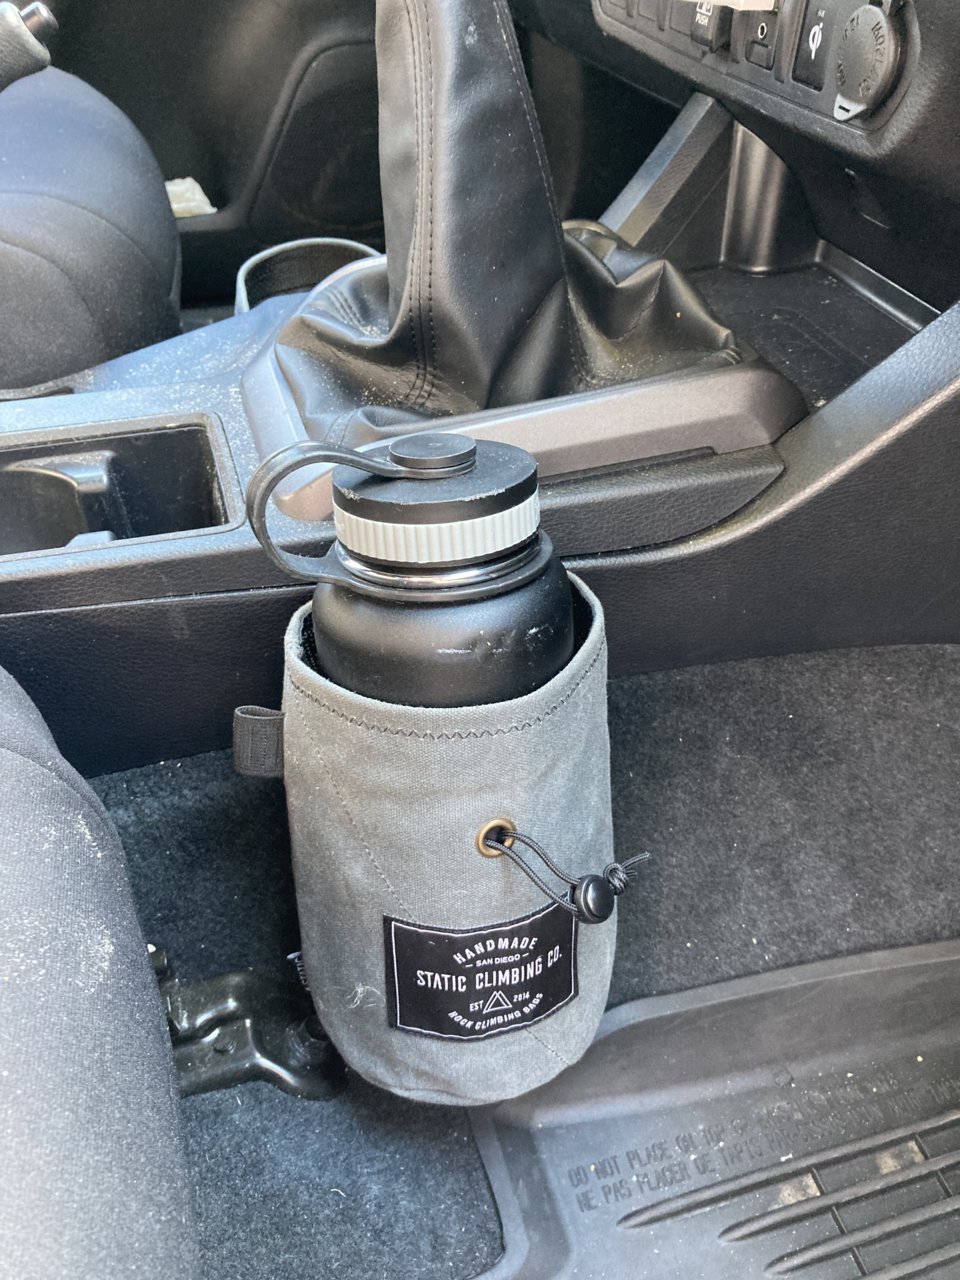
(209, 860)
(363, 1185)
(795, 808)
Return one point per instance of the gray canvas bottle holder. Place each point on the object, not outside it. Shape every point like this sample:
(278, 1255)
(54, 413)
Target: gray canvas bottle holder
(442, 973)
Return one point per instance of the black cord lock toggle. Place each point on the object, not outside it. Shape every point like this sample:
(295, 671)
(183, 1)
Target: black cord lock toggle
(590, 898)
(594, 899)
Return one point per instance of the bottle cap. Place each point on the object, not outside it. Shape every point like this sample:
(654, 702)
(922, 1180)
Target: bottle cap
(488, 510)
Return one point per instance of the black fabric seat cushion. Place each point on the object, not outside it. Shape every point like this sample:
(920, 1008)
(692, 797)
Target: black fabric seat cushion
(91, 1161)
(89, 252)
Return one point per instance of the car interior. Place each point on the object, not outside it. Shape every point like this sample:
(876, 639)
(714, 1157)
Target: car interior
(698, 260)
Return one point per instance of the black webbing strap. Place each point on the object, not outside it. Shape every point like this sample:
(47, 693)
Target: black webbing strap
(258, 742)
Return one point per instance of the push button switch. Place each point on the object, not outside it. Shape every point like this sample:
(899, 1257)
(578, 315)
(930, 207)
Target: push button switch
(761, 55)
(711, 25)
(810, 67)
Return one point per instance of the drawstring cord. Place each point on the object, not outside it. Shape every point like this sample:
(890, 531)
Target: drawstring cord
(590, 898)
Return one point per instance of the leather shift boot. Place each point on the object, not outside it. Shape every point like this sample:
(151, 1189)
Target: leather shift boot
(483, 299)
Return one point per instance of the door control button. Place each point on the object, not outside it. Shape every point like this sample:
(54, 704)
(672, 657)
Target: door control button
(761, 55)
(711, 25)
(813, 54)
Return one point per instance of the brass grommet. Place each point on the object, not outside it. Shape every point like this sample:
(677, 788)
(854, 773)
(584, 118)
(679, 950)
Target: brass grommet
(488, 828)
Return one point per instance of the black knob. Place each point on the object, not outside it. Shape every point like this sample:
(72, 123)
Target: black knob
(594, 899)
(867, 62)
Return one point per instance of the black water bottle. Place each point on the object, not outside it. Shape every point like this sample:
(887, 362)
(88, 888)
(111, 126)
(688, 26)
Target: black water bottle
(440, 590)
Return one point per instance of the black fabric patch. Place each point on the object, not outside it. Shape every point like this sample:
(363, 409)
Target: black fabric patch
(469, 984)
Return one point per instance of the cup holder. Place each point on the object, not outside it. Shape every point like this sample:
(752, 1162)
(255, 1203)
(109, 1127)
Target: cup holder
(294, 267)
(108, 488)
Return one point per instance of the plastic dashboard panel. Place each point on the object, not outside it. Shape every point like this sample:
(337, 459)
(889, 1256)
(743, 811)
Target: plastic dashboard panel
(768, 50)
(914, 129)
(883, 188)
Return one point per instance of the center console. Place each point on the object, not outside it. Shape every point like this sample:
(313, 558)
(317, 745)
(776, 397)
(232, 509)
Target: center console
(796, 491)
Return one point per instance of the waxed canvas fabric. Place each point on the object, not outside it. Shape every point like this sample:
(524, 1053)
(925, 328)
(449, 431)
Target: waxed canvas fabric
(385, 803)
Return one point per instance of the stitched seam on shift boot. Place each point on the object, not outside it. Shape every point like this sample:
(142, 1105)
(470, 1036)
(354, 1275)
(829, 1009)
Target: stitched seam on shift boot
(345, 309)
(341, 421)
(576, 352)
(351, 311)
(346, 809)
(412, 394)
(430, 360)
(543, 304)
(459, 735)
(335, 300)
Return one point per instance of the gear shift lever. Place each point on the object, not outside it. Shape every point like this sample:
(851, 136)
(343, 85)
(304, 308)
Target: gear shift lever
(482, 300)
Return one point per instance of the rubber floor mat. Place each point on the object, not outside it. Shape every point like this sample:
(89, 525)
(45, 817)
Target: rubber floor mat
(803, 1123)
